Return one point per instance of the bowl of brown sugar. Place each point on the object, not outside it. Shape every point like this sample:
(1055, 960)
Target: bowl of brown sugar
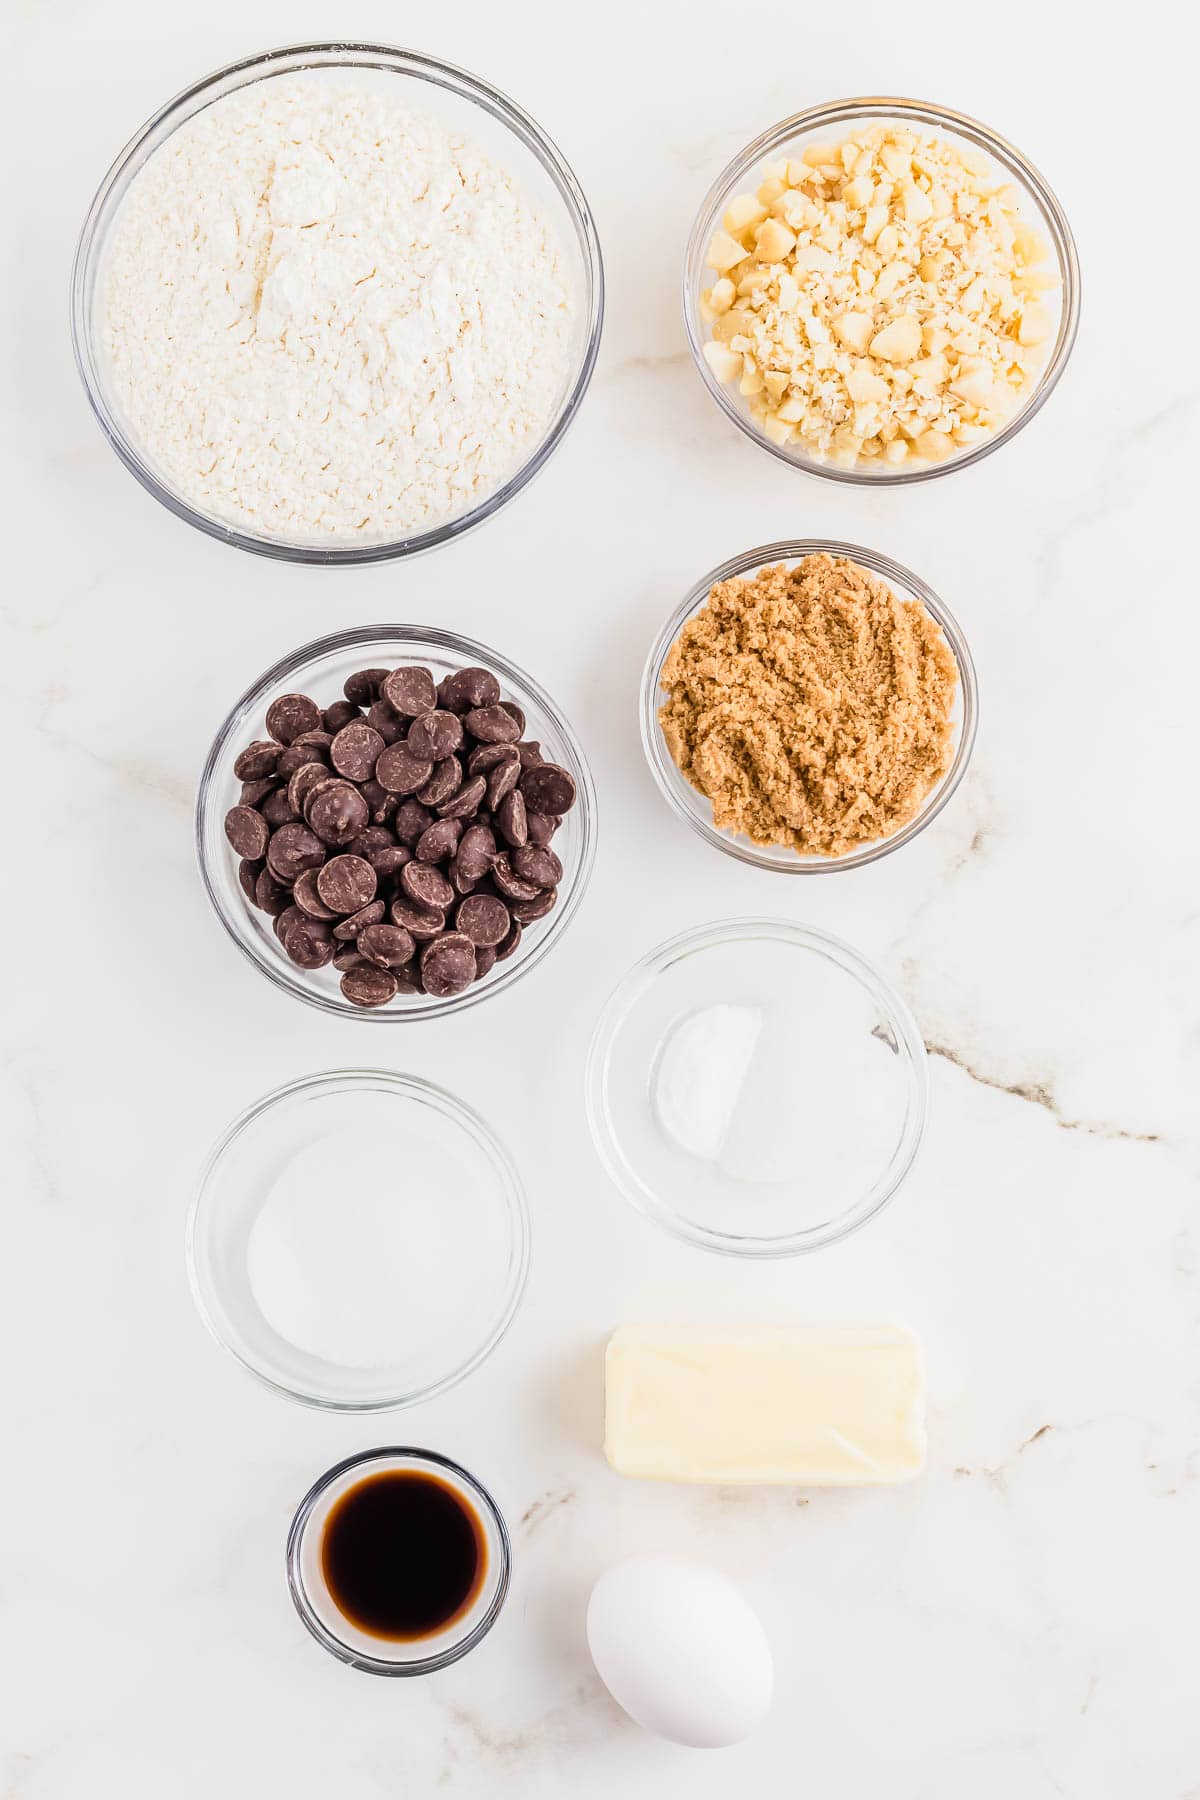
(809, 706)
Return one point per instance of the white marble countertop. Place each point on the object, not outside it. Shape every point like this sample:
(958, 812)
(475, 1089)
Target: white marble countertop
(1021, 1623)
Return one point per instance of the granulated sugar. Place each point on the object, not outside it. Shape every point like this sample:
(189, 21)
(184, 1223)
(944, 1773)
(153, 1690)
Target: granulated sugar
(330, 318)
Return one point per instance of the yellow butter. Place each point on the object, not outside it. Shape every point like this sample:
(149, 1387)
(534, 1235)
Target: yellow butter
(758, 1404)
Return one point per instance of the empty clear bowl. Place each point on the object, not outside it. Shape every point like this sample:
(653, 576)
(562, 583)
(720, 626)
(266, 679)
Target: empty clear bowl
(757, 1088)
(359, 1240)
(694, 807)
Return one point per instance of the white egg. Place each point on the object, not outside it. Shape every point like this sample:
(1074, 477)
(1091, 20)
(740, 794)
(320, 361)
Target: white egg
(679, 1648)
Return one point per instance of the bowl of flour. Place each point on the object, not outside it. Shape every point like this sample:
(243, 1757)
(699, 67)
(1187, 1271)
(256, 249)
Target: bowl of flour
(337, 303)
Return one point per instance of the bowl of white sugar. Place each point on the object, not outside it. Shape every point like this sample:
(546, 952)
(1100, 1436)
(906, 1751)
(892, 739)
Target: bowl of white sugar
(337, 303)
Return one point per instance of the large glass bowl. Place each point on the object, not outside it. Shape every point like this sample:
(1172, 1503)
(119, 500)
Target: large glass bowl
(458, 100)
(319, 669)
(1039, 207)
(696, 810)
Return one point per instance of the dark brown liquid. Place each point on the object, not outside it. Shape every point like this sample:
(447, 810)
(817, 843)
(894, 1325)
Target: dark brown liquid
(403, 1555)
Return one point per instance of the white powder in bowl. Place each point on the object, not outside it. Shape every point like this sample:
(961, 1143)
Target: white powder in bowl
(329, 318)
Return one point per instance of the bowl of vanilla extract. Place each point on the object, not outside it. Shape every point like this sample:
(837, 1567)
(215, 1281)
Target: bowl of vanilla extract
(398, 1561)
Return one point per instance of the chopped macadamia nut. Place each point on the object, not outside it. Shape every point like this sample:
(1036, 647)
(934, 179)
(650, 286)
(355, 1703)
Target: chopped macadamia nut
(880, 299)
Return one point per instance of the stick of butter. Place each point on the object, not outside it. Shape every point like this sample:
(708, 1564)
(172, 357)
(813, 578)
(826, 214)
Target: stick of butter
(757, 1404)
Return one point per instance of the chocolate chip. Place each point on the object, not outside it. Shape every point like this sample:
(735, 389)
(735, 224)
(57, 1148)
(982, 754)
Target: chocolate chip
(355, 750)
(514, 712)
(541, 867)
(548, 789)
(527, 911)
(459, 880)
(492, 725)
(248, 877)
(386, 721)
(422, 922)
(435, 735)
(483, 919)
(445, 780)
(247, 831)
(541, 827)
(410, 690)
(303, 782)
(309, 942)
(291, 714)
(448, 965)
(510, 884)
(337, 812)
(347, 883)
(410, 821)
(370, 915)
(391, 946)
(502, 780)
(363, 686)
(254, 792)
(257, 759)
(319, 739)
(346, 955)
(307, 896)
(271, 895)
(400, 772)
(505, 950)
(295, 757)
(466, 802)
(366, 984)
(276, 807)
(426, 885)
(438, 841)
(468, 688)
(511, 820)
(485, 961)
(390, 861)
(292, 849)
(476, 852)
(530, 755)
(336, 717)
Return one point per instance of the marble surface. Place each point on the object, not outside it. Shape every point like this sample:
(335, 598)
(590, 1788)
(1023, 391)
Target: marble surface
(1022, 1621)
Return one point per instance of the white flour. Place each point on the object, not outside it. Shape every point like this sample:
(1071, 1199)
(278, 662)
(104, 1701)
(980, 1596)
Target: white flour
(331, 318)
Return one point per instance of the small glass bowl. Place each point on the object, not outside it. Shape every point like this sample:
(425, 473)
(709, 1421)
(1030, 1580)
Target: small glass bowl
(462, 101)
(1038, 204)
(319, 669)
(270, 1268)
(380, 1656)
(696, 810)
(791, 1054)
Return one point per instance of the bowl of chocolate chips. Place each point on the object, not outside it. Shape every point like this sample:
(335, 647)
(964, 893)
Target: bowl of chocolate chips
(395, 822)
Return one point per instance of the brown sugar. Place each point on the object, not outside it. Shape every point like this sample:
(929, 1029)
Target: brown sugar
(811, 705)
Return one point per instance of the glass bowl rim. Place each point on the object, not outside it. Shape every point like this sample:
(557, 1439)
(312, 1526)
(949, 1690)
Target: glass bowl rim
(346, 53)
(451, 1106)
(334, 643)
(921, 112)
(909, 1042)
(773, 858)
(438, 1464)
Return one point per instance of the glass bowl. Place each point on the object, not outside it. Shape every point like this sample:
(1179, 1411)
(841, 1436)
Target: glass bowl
(757, 1088)
(461, 101)
(1038, 205)
(320, 668)
(696, 810)
(358, 1240)
(331, 1628)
